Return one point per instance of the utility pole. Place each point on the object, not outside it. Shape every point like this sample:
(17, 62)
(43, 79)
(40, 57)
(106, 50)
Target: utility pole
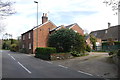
(37, 25)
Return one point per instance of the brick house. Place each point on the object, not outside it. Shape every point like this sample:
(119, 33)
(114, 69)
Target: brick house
(74, 27)
(112, 32)
(38, 36)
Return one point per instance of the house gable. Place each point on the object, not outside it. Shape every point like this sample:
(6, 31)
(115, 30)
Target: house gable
(44, 24)
(77, 28)
(43, 33)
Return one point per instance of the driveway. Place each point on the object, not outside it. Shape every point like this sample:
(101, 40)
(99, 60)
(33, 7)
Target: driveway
(99, 64)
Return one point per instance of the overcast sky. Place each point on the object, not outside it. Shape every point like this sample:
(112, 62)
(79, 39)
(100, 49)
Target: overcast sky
(91, 15)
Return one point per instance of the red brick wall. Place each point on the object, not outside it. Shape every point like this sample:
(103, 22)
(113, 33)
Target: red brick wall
(78, 29)
(26, 41)
(43, 33)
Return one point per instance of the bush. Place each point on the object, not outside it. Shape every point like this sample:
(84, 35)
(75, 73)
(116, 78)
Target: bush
(47, 50)
(23, 50)
(111, 53)
(44, 53)
(65, 40)
(75, 53)
(88, 48)
(14, 47)
(118, 53)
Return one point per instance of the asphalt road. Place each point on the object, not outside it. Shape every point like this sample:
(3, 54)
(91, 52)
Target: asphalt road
(19, 65)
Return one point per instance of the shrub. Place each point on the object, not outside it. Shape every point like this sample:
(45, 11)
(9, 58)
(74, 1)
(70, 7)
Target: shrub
(118, 53)
(75, 53)
(14, 47)
(48, 50)
(88, 48)
(23, 50)
(65, 40)
(44, 53)
(111, 53)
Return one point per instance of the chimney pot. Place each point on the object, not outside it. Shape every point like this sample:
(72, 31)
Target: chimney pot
(44, 18)
(109, 24)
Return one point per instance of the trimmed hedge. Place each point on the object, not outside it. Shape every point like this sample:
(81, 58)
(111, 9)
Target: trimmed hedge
(44, 53)
(48, 50)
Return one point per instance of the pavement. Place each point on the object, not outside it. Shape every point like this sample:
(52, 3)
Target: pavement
(96, 63)
(19, 65)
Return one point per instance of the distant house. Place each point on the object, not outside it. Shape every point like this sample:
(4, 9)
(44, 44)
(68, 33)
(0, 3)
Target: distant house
(74, 27)
(38, 36)
(113, 32)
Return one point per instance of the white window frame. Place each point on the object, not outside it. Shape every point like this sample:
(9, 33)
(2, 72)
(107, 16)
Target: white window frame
(29, 45)
(23, 37)
(29, 35)
(75, 31)
(106, 31)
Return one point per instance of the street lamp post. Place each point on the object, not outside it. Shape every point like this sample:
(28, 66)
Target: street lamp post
(37, 24)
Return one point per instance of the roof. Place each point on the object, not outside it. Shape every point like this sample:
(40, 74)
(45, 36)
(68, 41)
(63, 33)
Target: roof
(112, 32)
(71, 25)
(55, 29)
(38, 26)
(99, 33)
(86, 37)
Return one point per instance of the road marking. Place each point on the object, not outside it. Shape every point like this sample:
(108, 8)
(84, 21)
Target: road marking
(49, 62)
(12, 57)
(24, 67)
(62, 66)
(85, 73)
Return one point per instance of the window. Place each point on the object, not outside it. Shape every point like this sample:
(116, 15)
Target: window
(75, 31)
(106, 31)
(95, 34)
(29, 45)
(23, 46)
(23, 37)
(29, 36)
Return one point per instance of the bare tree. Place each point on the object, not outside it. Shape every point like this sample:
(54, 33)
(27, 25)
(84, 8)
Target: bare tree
(115, 5)
(5, 10)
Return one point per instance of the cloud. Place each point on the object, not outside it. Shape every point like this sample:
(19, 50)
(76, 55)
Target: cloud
(89, 14)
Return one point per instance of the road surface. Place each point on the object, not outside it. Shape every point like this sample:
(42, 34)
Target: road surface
(19, 65)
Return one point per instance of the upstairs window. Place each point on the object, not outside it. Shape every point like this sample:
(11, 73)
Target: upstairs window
(29, 35)
(23, 37)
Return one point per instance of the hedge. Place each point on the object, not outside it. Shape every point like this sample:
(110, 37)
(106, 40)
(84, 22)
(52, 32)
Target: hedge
(14, 48)
(44, 53)
(48, 50)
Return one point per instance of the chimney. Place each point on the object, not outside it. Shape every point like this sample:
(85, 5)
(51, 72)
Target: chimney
(109, 24)
(44, 18)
